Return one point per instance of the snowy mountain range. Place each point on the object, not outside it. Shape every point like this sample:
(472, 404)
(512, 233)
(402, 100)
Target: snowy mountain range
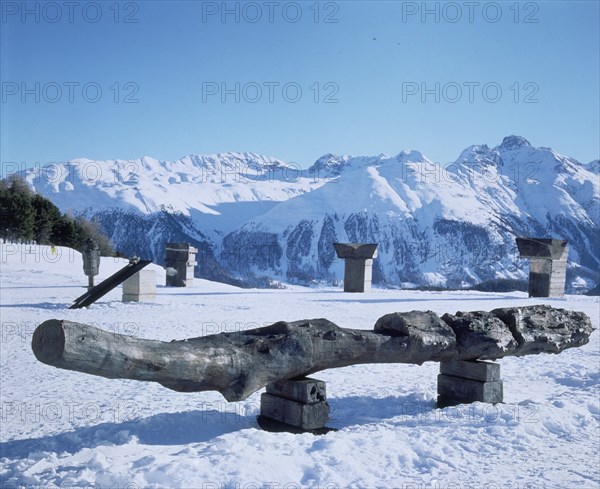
(256, 219)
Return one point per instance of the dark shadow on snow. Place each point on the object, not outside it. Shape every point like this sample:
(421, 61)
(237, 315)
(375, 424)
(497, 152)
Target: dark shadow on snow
(45, 287)
(361, 410)
(40, 305)
(161, 429)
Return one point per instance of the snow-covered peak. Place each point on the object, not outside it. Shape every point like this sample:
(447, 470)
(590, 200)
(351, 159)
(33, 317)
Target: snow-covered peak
(236, 200)
(510, 143)
(329, 164)
(594, 167)
(193, 183)
(411, 156)
(480, 154)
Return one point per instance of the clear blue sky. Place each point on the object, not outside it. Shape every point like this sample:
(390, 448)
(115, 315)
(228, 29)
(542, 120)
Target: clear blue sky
(369, 64)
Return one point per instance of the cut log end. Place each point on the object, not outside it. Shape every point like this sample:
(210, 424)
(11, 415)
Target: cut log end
(48, 342)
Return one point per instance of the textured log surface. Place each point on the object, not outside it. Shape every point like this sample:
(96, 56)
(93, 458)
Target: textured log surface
(238, 364)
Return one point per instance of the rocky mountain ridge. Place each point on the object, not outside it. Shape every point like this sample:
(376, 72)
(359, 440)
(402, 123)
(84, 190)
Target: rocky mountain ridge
(256, 219)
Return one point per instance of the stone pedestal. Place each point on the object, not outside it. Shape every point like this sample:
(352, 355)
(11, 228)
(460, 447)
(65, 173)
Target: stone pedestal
(140, 286)
(358, 269)
(180, 263)
(91, 261)
(300, 404)
(548, 265)
(463, 382)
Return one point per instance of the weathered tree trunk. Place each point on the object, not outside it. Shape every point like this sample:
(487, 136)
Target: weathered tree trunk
(238, 364)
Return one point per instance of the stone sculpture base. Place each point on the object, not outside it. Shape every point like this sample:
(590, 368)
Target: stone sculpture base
(463, 382)
(547, 277)
(300, 405)
(358, 269)
(357, 275)
(180, 263)
(140, 287)
(548, 265)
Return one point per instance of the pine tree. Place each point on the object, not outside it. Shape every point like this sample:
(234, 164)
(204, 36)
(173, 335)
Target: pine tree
(46, 217)
(66, 232)
(26, 216)
(5, 228)
(18, 216)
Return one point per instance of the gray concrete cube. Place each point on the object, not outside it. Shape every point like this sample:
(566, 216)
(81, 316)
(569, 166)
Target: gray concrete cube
(468, 390)
(140, 287)
(474, 370)
(293, 413)
(308, 391)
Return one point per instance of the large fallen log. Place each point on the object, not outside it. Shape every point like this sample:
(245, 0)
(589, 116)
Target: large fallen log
(240, 363)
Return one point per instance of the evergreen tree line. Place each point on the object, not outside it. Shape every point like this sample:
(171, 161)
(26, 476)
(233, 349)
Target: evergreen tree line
(28, 217)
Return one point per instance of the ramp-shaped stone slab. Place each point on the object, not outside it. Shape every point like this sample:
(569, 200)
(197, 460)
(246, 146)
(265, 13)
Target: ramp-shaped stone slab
(100, 290)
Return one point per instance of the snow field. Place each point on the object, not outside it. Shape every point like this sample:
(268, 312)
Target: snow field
(62, 429)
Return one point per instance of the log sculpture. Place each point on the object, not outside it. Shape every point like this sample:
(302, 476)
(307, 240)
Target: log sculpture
(240, 363)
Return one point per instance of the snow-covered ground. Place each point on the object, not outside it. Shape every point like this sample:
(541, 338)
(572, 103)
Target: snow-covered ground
(66, 429)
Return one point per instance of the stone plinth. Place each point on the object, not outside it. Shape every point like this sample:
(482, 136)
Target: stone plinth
(463, 382)
(297, 403)
(140, 286)
(358, 269)
(180, 263)
(91, 261)
(548, 265)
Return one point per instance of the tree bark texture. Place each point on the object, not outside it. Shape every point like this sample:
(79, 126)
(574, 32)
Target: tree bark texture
(240, 363)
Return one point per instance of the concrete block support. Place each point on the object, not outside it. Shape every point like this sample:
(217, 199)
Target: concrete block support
(358, 269)
(180, 263)
(548, 265)
(308, 391)
(462, 382)
(140, 286)
(297, 403)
